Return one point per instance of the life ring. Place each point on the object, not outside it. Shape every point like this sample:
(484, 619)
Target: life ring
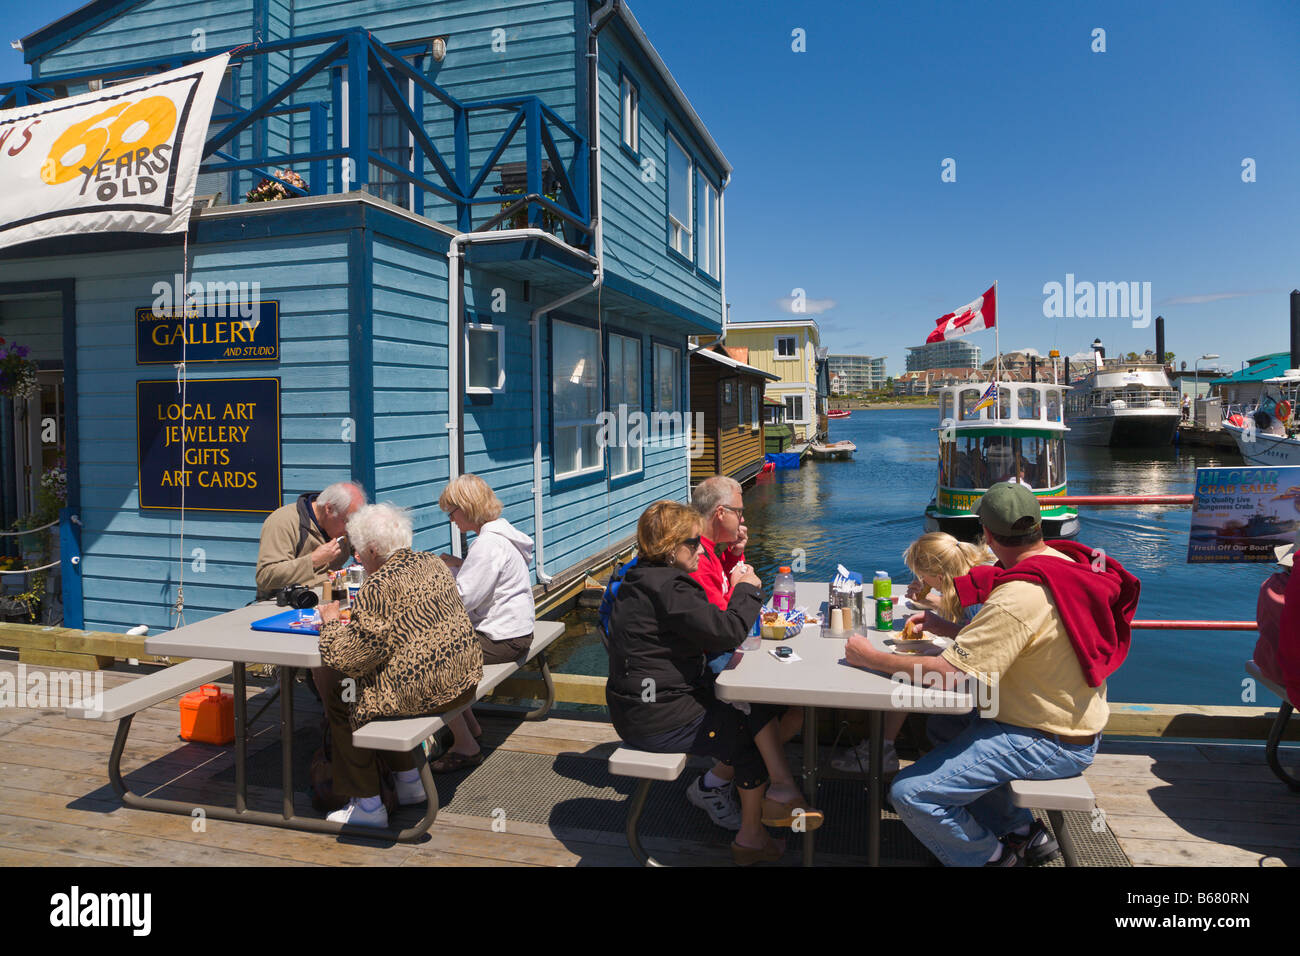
(1236, 419)
(1283, 411)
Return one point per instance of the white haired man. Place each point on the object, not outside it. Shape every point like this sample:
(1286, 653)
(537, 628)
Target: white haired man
(304, 541)
(723, 537)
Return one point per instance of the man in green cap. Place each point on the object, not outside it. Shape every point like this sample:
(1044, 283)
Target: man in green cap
(1052, 625)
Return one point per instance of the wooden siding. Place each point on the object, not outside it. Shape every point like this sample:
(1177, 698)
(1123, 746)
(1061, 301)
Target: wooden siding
(34, 320)
(409, 304)
(636, 211)
(731, 446)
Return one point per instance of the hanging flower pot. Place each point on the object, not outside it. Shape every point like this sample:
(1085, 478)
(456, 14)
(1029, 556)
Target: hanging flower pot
(269, 190)
(17, 372)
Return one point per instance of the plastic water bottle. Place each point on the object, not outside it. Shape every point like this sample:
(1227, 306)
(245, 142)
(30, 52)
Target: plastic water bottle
(881, 586)
(783, 592)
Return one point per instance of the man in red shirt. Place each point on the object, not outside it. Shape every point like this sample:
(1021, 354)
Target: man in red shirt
(724, 536)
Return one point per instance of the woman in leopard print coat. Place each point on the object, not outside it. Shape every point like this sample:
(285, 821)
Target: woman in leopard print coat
(409, 649)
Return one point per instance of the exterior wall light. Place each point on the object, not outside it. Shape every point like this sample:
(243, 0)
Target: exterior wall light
(439, 48)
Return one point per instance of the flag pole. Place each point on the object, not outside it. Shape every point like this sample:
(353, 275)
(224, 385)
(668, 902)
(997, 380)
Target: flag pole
(997, 349)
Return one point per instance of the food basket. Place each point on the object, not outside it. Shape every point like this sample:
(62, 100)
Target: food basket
(794, 624)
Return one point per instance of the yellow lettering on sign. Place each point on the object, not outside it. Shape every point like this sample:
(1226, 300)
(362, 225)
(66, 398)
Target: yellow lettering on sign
(99, 138)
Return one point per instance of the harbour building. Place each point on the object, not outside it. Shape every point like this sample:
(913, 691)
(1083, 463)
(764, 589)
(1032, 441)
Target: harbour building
(789, 350)
(460, 267)
(856, 373)
(957, 353)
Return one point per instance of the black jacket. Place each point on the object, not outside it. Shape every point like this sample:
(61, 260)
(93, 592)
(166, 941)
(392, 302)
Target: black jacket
(662, 627)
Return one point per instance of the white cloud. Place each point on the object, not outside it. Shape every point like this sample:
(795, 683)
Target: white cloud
(810, 306)
(1216, 296)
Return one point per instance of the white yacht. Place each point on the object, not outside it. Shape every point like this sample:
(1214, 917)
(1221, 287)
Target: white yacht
(1280, 444)
(1123, 404)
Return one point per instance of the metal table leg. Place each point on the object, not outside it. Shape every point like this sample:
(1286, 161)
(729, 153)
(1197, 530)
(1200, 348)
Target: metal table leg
(809, 774)
(876, 787)
(241, 737)
(286, 740)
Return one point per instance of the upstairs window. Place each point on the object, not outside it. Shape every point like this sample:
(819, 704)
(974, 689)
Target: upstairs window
(388, 136)
(794, 408)
(668, 378)
(787, 347)
(629, 113)
(706, 221)
(679, 198)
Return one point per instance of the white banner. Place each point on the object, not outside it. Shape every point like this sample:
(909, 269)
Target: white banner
(122, 159)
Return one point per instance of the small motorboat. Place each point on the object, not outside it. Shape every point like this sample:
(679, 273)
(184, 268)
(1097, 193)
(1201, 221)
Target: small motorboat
(840, 449)
(838, 413)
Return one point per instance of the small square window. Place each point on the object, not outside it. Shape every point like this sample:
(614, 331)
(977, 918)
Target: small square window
(787, 347)
(485, 372)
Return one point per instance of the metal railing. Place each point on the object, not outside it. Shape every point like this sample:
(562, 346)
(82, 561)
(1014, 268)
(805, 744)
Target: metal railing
(457, 144)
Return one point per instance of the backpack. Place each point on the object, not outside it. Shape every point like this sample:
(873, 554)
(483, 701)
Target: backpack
(607, 602)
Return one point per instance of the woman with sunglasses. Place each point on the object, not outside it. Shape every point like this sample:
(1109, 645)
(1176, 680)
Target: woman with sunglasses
(660, 691)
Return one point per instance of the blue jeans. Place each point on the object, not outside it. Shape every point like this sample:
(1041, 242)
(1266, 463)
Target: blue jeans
(954, 799)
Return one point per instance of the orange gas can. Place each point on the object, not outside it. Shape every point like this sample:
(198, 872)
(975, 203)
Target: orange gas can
(208, 715)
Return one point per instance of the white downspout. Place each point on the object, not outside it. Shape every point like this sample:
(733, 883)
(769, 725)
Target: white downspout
(455, 264)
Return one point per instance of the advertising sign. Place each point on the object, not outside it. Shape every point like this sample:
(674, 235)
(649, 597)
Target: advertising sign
(1243, 514)
(230, 432)
(121, 159)
(213, 333)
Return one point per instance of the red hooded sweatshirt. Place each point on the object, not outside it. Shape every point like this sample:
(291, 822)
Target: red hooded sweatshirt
(714, 573)
(1094, 595)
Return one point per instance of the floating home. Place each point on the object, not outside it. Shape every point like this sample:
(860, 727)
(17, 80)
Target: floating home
(505, 220)
(727, 400)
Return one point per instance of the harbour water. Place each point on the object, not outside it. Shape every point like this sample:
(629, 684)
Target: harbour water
(863, 513)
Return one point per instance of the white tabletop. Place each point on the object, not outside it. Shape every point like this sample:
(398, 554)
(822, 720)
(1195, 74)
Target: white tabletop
(228, 637)
(822, 678)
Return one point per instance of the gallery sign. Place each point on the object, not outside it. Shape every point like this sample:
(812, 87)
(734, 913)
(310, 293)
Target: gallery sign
(1243, 514)
(222, 445)
(120, 159)
(212, 333)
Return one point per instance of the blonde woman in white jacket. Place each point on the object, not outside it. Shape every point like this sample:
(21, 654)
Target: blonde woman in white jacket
(493, 583)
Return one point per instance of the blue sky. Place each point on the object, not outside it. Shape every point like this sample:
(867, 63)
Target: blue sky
(1117, 166)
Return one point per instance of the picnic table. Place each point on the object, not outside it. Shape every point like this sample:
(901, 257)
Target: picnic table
(822, 678)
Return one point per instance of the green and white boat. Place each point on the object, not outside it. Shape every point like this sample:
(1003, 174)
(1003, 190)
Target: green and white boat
(1020, 437)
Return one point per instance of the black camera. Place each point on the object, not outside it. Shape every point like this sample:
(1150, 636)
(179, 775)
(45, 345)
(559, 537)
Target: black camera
(296, 596)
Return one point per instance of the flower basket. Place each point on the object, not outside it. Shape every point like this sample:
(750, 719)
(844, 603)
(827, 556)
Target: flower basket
(269, 190)
(17, 372)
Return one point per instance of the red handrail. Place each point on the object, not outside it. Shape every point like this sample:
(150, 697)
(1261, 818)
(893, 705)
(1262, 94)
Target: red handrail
(1119, 500)
(1195, 625)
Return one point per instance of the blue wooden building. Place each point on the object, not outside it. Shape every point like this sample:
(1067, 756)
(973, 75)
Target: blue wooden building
(511, 221)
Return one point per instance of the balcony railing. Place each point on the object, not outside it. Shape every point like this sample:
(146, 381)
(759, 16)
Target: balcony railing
(534, 152)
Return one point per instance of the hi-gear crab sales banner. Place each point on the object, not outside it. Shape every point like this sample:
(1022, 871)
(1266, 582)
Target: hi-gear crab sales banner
(122, 159)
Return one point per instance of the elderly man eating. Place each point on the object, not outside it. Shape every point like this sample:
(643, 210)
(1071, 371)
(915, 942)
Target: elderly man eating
(1053, 626)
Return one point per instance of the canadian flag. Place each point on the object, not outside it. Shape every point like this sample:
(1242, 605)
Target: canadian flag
(972, 317)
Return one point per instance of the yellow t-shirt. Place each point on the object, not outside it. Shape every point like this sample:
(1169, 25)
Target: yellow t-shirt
(1017, 645)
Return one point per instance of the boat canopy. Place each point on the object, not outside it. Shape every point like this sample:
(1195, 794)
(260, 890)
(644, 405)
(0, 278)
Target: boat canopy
(1019, 405)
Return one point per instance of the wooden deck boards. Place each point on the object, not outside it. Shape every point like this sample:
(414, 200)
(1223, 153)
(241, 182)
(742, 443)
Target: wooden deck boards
(1168, 804)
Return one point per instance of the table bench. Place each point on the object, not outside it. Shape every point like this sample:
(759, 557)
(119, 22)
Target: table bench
(406, 733)
(230, 633)
(1279, 726)
(646, 767)
(1055, 796)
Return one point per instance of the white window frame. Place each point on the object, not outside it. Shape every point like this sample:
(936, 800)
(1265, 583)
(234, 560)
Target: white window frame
(629, 112)
(576, 424)
(789, 416)
(707, 226)
(623, 454)
(776, 348)
(500, 386)
(679, 233)
(754, 401)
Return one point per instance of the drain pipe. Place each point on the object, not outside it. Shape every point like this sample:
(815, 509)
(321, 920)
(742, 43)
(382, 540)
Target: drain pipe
(455, 333)
(598, 21)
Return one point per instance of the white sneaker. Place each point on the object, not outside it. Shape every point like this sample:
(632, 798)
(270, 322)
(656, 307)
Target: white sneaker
(410, 792)
(720, 804)
(856, 759)
(353, 814)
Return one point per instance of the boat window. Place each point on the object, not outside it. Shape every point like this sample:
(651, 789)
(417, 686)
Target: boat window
(1028, 403)
(1053, 405)
(945, 406)
(970, 397)
(979, 462)
(1055, 463)
(1004, 402)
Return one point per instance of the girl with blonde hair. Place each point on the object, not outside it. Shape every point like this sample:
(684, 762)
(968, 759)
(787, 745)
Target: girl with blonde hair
(935, 559)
